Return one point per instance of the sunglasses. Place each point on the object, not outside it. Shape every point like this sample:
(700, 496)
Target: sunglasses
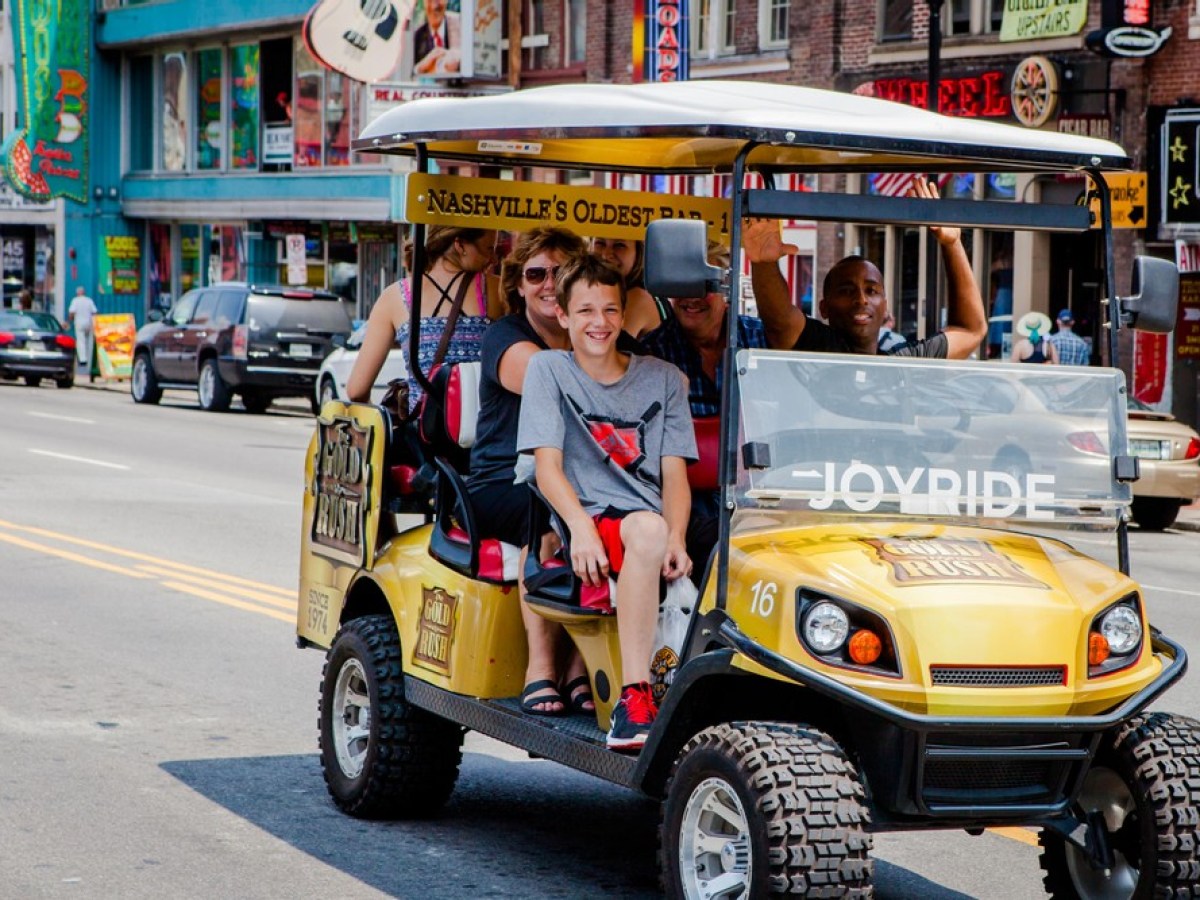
(537, 274)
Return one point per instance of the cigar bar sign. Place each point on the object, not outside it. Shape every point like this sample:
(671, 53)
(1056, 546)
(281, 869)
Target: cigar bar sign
(523, 205)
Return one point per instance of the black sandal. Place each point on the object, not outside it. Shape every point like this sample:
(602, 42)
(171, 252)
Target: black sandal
(530, 704)
(575, 700)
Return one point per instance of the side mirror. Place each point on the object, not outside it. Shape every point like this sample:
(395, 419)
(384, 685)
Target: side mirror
(1155, 296)
(155, 315)
(677, 259)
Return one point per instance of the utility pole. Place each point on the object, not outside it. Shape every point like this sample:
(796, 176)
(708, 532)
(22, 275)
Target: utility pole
(932, 252)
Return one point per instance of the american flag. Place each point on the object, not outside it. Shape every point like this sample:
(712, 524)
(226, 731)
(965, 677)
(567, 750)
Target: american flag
(895, 184)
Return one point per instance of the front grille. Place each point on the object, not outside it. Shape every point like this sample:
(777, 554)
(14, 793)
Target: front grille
(999, 676)
(947, 780)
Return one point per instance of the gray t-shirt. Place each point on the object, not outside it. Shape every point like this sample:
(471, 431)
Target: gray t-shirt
(612, 436)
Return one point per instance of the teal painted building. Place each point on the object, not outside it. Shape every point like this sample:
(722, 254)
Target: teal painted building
(213, 135)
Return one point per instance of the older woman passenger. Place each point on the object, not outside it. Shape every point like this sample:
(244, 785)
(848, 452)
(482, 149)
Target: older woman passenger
(501, 507)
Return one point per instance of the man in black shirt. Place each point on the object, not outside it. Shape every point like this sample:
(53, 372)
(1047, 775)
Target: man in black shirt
(853, 299)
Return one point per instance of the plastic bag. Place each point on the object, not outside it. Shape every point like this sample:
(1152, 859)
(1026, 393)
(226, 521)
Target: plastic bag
(673, 617)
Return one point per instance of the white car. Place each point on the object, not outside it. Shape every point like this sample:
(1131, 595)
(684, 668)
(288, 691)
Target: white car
(335, 369)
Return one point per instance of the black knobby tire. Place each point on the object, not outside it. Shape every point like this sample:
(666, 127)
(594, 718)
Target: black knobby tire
(1155, 513)
(214, 393)
(255, 402)
(405, 762)
(1147, 775)
(143, 384)
(67, 381)
(801, 808)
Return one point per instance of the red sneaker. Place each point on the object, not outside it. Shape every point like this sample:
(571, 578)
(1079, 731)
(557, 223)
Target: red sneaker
(631, 718)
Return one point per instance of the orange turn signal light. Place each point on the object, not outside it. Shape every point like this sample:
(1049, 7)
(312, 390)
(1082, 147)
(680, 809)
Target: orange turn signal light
(865, 647)
(1097, 648)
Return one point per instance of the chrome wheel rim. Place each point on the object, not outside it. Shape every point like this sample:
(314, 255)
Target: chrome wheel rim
(206, 386)
(351, 718)
(714, 844)
(139, 377)
(1105, 792)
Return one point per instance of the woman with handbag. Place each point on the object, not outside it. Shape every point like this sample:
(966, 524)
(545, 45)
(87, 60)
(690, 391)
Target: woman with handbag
(459, 300)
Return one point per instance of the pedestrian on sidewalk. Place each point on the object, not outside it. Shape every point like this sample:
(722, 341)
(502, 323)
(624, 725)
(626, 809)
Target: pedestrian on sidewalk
(1072, 349)
(80, 314)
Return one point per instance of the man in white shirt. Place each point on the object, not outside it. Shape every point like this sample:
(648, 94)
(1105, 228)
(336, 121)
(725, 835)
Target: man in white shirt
(80, 314)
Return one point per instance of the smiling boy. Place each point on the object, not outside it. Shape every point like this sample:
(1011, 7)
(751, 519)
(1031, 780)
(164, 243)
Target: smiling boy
(611, 436)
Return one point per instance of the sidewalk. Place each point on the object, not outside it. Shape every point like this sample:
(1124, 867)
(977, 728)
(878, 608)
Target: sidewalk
(1189, 518)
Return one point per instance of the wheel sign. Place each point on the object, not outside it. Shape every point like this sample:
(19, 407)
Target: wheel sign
(1034, 91)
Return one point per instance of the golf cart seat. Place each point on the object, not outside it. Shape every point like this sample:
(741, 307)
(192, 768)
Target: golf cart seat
(447, 429)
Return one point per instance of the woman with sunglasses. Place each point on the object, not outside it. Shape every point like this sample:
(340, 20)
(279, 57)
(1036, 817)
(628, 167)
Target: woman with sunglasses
(501, 507)
(457, 260)
(642, 312)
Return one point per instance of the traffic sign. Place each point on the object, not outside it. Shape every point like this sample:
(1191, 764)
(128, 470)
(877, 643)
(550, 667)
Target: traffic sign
(1128, 192)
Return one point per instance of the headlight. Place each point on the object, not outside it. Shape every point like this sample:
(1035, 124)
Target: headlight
(1122, 628)
(826, 627)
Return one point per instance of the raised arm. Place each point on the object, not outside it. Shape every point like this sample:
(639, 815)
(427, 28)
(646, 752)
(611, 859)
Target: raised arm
(966, 318)
(387, 315)
(762, 241)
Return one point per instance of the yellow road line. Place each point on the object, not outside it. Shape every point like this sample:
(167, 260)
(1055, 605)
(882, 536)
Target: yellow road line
(208, 582)
(132, 554)
(228, 601)
(1023, 835)
(73, 557)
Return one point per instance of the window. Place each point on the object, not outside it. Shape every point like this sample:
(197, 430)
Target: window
(204, 309)
(773, 23)
(895, 20)
(336, 111)
(141, 113)
(966, 17)
(209, 132)
(576, 32)
(183, 309)
(714, 28)
(306, 111)
(243, 106)
(174, 123)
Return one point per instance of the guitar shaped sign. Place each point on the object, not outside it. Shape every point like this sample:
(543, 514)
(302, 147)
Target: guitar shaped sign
(359, 38)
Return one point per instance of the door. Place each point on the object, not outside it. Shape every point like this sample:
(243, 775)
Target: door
(196, 335)
(167, 342)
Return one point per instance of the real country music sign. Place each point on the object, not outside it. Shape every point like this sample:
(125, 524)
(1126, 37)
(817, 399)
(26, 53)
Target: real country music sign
(48, 158)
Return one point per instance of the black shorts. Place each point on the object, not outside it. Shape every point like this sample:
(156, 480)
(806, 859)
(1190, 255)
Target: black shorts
(501, 511)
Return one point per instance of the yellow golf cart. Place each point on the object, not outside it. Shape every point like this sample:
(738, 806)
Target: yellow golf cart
(919, 613)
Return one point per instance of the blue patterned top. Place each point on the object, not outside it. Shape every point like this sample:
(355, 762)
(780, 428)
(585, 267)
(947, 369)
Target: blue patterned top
(464, 344)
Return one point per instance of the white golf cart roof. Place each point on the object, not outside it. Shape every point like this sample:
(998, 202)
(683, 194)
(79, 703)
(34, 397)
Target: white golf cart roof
(700, 126)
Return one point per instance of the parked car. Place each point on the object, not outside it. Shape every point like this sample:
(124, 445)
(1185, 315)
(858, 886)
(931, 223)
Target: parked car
(335, 370)
(261, 342)
(1169, 454)
(33, 346)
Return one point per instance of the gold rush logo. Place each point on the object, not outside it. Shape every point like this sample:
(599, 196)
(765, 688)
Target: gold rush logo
(435, 630)
(930, 560)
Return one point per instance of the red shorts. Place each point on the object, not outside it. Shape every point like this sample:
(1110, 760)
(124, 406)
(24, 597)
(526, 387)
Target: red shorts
(609, 529)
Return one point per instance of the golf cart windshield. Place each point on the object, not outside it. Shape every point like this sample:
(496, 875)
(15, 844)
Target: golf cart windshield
(858, 436)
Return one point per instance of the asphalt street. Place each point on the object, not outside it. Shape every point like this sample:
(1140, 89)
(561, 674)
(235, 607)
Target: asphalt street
(159, 731)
